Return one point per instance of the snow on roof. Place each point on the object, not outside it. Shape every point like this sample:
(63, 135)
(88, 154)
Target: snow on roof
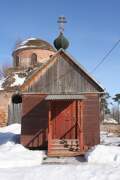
(34, 43)
(1, 82)
(27, 40)
(25, 46)
(18, 80)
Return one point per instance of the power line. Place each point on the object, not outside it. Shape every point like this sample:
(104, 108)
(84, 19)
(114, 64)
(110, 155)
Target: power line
(105, 57)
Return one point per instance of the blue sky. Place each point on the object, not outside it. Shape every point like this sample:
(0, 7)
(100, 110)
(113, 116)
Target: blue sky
(93, 28)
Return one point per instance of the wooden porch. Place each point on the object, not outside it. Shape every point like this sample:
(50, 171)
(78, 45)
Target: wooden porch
(65, 126)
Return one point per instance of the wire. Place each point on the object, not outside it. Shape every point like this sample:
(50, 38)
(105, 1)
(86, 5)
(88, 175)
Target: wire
(105, 57)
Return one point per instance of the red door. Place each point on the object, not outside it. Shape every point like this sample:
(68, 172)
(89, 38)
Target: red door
(64, 119)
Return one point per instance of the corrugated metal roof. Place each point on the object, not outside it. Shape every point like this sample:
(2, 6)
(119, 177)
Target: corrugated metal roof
(65, 97)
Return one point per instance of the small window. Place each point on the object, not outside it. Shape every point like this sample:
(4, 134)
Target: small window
(33, 59)
(17, 61)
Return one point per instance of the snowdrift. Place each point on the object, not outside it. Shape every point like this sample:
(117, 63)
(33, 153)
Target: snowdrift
(13, 154)
(104, 154)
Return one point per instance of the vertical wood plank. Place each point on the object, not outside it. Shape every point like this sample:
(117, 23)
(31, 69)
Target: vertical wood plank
(57, 79)
(49, 127)
(80, 106)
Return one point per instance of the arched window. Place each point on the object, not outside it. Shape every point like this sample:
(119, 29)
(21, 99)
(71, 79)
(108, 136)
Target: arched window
(15, 108)
(17, 61)
(16, 98)
(33, 59)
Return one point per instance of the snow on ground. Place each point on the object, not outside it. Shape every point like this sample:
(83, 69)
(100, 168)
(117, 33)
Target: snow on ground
(110, 139)
(104, 154)
(63, 172)
(107, 152)
(18, 80)
(13, 128)
(13, 154)
(110, 120)
(17, 162)
(10, 134)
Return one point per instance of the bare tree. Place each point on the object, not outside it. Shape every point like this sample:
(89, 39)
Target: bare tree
(4, 70)
(104, 105)
(117, 99)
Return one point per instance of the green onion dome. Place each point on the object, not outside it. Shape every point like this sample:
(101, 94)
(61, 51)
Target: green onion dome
(61, 42)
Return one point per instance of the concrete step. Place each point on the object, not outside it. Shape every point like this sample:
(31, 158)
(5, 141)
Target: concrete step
(57, 153)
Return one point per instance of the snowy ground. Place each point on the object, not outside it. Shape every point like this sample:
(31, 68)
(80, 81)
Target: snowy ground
(13, 154)
(17, 162)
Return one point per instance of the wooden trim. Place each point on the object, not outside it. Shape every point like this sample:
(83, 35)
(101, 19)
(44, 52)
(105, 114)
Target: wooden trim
(77, 119)
(49, 127)
(81, 93)
(81, 125)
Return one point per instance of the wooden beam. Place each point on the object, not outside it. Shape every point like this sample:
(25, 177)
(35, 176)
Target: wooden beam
(80, 106)
(49, 127)
(77, 119)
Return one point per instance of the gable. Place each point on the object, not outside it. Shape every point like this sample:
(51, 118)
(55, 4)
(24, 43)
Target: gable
(62, 75)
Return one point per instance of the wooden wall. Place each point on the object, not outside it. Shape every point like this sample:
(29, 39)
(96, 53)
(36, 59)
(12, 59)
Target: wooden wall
(34, 119)
(62, 77)
(91, 120)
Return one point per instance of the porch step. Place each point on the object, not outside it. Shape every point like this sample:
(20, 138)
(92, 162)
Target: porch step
(64, 145)
(57, 153)
(67, 146)
(71, 149)
(68, 140)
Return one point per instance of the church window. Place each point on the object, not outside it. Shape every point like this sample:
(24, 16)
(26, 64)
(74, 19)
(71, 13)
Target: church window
(33, 59)
(17, 61)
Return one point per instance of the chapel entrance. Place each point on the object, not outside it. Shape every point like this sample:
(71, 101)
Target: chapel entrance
(65, 127)
(64, 120)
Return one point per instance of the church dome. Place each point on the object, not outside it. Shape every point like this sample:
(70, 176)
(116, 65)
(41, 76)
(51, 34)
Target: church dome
(31, 52)
(61, 42)
(34, 43)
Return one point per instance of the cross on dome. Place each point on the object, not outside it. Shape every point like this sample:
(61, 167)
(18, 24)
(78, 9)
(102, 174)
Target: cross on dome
(61, 21)
(61, 41)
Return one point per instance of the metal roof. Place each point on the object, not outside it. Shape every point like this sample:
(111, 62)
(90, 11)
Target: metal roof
(34, 43)
(65, 97)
